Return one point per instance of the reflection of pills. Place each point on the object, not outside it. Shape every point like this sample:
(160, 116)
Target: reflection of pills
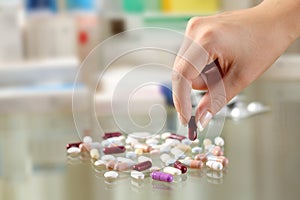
(111, 174)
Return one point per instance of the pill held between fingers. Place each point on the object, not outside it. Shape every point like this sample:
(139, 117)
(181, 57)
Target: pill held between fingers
(111, 174)
(192, 129)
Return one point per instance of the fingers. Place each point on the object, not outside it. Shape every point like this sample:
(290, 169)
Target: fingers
(214, 99)
(190, 61)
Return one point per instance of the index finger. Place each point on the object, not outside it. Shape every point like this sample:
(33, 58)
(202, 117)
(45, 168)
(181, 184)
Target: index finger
(187, 67)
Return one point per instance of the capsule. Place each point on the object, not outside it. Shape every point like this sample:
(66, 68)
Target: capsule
(114, 150)
(146, 148)
(201, 156)
(111, 165)
(180, 166)
(176, 136)
(221, 159)
(111, 175)
(89, 146)
(192, 129)
(73, 151)
(111, 134)
(195, 164)
(75, 144)
(214, 165)
(142, 166)
(122, 166)
(162, 176)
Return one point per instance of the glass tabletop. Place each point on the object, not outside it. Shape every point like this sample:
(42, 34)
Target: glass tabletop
(262, 150)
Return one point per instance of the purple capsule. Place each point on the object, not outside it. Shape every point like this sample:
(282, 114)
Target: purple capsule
(161, 176)
(142, 166)
(114, 149)
(110, 135)
(192, 129)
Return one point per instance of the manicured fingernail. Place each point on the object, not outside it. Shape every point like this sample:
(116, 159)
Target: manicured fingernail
(204, 120)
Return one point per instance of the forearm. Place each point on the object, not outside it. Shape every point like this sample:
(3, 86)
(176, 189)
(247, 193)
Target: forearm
(285, 15)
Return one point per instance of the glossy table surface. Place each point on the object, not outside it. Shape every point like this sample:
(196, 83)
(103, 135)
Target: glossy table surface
(263, 151)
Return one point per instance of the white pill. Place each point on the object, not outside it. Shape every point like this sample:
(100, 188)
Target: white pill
(172, 170)
(157, 137)
(165, 135)
(111, 174)
(196, 150)
(165, 149)
(128, 148)
(171, 161)
(107, 158)
(172, 142)
(186, 141)
(151, 141)
(219, 141)
(214, 165)
(178, 153)
(137, 175)
(87, 139)
(105, 143)
(143, 159)
(209, 148)
(100, 164)
(94, 153)
(207, 142)
(125, 160)
(131, 141)
(73, 151)
(164, 157)
(130, 155)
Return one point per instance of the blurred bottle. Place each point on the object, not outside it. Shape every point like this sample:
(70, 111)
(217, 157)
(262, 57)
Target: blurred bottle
(191, 6)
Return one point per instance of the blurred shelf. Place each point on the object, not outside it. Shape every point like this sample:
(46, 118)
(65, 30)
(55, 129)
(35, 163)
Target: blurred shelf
(40, 71)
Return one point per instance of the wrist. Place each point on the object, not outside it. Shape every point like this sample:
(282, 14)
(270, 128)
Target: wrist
(283, 15)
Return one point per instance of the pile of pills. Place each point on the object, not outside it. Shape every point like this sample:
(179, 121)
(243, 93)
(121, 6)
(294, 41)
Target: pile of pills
(163, 157)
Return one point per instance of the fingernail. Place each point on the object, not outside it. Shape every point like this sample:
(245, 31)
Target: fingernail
(181, 119)
(204, 120)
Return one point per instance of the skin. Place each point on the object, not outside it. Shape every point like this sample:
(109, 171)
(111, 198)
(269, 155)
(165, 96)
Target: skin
(245, 43)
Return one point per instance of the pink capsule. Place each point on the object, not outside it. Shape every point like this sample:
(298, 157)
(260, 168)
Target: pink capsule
(161, 176)
(201, 156)
(176, 136)
(110, 165)
(142, 166)
(122, 166)
(114, 150)
(76, 144)
(110, 135)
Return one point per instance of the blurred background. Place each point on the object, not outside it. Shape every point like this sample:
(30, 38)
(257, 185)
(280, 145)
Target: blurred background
(43, 43)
